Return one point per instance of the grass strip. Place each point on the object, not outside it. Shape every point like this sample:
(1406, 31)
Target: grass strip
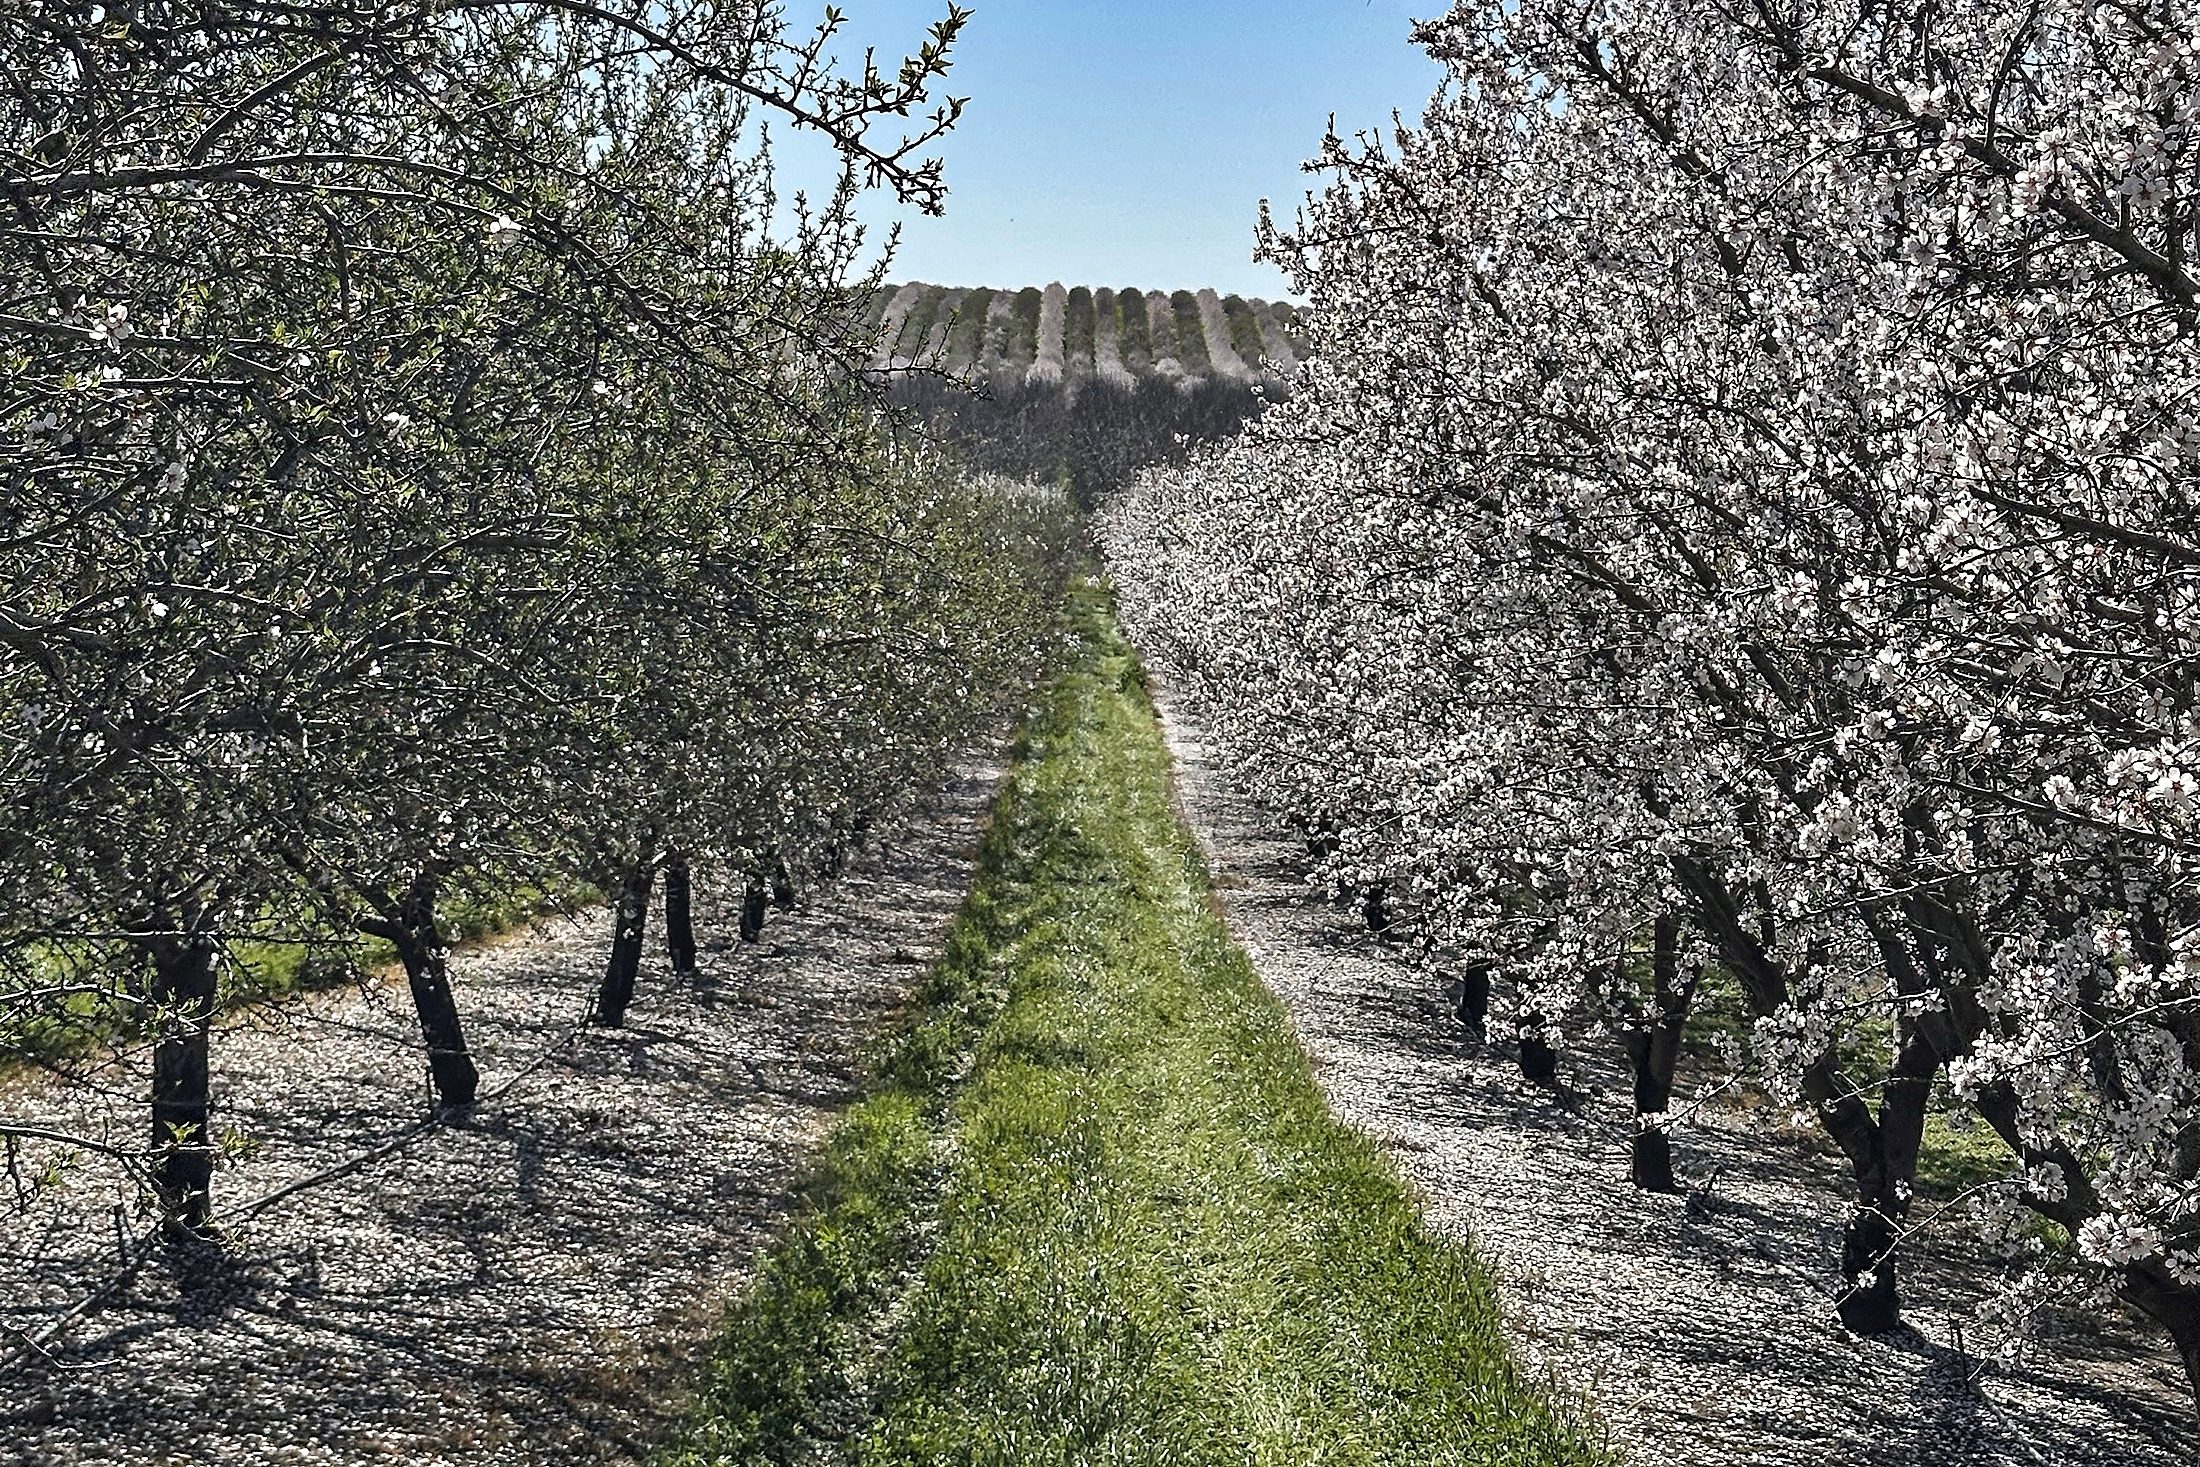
(1096, 1210)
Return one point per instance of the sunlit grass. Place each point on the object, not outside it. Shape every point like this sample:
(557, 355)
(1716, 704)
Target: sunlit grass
(1097, 1210)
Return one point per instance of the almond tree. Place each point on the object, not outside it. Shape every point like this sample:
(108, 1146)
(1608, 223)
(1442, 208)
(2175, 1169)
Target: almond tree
(1769, 428)
(322, 327)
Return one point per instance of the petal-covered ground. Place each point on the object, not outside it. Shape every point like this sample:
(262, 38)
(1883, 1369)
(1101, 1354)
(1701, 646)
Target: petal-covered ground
(528, 1285)
(1700, 1333)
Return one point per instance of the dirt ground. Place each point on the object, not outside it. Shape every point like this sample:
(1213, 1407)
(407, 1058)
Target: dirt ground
(529, 1285)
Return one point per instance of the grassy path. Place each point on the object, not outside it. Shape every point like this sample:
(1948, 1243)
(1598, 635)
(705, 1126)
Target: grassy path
(1096, 1211)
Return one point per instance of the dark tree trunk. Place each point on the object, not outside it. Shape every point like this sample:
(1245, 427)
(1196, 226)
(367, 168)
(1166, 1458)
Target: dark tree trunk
(1881, 1150)
(1538, 1061)
(752, 910)
(1374, 911)
(1873, 1304)
(1653, 1049)
(679, 917)
(185, 968)
(783, 896)
(428, 973)
(1651, 1053)
(2174, 1306)
(409, 925)
(630, 921)
(1474, 998)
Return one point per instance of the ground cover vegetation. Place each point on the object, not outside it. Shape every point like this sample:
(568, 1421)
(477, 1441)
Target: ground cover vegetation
(430, 478)
(1735, 534)
(1096, 1208)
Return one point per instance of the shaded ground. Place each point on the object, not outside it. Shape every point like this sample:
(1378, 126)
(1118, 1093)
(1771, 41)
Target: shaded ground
(528, 1287)
(1702, 1335)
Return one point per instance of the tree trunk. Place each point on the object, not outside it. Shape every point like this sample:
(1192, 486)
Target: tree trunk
(1653, 1049)
(1374, 911)
(1538, 1061)
(783, 896)
(2174, 1306)
(1651, 1054)
(630, 919)
(185, 968)
(1474, 998)
(1869, 1302)
(752, 910)
(1884, 1158)
(410, 926)
(679, 917)
(427, 961)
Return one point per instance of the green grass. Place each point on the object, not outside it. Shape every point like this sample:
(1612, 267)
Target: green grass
(1096, 1210)
(259, 971)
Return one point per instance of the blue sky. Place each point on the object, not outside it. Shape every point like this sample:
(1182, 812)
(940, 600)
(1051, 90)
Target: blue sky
(1131, 143)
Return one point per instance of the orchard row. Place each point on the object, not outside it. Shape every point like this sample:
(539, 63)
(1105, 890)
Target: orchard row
(434, 470)
(1739, 519)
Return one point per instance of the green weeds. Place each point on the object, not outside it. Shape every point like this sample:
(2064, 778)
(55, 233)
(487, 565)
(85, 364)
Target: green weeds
(1096, 1210)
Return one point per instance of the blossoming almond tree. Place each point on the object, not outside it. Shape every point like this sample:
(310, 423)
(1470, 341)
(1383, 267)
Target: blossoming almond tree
(401, 405)
(1746, 483)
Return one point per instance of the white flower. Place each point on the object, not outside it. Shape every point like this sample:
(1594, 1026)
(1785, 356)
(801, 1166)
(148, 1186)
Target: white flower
(2111, 1239)
(112, 328)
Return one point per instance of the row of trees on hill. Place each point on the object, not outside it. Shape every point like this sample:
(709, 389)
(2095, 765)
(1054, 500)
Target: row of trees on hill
(1074, 336)
(1740, 520)
(1075, 387)
(429, 475)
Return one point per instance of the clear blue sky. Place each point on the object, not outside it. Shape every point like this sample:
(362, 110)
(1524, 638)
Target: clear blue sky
(1131, 143)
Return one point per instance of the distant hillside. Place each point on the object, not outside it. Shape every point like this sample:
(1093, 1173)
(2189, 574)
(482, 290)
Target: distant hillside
(1073, 334)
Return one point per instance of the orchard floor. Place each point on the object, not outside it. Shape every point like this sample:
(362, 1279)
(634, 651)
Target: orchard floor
(530, 1285)
(1699, 1337)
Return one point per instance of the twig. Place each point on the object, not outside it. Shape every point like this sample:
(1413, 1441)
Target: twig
(35, 1344)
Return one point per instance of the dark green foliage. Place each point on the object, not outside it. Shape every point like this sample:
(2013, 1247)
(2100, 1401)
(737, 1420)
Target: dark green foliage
(1245, 337)
(1191, 336)
(966, 341)
(874, 310)
(1097, 1210)
(1137, 339)
(1022, 346)
(1077, 331)
(1091, 439)
(916, 327)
